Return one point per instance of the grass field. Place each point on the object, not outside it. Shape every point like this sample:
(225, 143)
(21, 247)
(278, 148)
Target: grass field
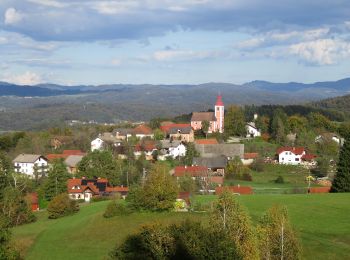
(264, 182)
(321, 220)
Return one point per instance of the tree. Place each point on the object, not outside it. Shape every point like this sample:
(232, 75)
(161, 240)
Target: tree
(229, 217)
(56, 182)
(159, 191)
(6, 251)
(158, 134)
(191, 152)
(234, 121)
(61, 206)
(15, 207)
(279, 126)
(100, 164)
(341, 182)
(297, 123)
(277, 239)
(186, 183)
(205, 127)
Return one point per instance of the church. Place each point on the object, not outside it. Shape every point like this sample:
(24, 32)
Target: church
(215, 119)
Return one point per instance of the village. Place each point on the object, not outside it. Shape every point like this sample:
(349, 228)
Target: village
(212, 163)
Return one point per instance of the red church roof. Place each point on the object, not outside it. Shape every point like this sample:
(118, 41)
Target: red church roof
(219, 101)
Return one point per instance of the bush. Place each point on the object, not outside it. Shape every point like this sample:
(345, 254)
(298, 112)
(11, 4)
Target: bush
(279, 179)
(246, 176)
(258, 165)
(61, 206)
(100, 198)
(116, 208)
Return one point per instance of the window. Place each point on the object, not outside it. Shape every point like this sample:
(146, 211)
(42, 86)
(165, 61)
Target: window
(297, 159)
(217, 109)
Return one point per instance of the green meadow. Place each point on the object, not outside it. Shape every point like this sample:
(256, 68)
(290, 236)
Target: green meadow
(321, 220)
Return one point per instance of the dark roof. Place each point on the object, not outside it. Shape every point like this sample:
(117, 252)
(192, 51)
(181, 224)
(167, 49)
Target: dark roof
(203, 116)
(28, 158)
(211, 162)
(123, 131)
(181, 130)
(212, 150)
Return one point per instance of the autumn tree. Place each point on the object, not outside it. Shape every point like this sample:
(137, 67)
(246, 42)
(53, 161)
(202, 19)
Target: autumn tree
(341, 182)
(231, 218)
(277, 239)
(61, 205)
(234, 121)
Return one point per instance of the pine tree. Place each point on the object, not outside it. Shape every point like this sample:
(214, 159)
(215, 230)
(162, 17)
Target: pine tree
(341, 182)
(57, 180)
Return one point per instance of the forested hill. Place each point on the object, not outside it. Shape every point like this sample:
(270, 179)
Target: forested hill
(337, 103)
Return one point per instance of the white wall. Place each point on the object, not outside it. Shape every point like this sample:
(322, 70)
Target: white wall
(28, 168)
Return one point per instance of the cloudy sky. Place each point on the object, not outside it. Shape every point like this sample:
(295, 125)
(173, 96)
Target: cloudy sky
(173, 41)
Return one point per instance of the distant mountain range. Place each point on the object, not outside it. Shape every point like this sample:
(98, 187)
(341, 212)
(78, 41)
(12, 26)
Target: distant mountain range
(29, 107)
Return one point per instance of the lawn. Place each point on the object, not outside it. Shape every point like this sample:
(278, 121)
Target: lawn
(264, 182)
(321, 220)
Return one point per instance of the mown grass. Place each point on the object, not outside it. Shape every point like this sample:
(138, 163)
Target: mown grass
(322, 222)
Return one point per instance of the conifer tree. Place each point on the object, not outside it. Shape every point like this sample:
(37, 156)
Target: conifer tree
(57, 180)
(341, 182)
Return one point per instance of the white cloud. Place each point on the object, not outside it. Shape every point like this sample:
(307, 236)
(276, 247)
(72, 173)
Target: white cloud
(107, 7)
(50, 3)
(28, 78)
(169, 55)
(116, 62)
(12, 16)
(322, 51)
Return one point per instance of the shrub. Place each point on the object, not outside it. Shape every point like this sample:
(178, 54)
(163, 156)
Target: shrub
(116, 208)
(279, 179)
(100, 198)
(61, 206)
(258, 165)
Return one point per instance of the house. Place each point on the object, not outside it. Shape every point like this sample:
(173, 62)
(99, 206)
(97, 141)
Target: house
(57, 141)
(143, 131)
(184, 134)
(215, 119)
(329, 137)
(229, 150)
(249, 158)
(290, 155)
(252, 130)
(72, 162)
(103, 140)
(30, 163)
(206, 141)
(172, 149)
(192, 171)
(146, 147)
(85, 189)
(239, 190)
(56, 156)
(215, 164)
(122, 133)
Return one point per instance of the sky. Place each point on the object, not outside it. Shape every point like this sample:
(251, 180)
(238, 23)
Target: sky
(173, 41)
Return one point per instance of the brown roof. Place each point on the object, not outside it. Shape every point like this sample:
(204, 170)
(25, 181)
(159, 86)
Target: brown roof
(73, 152)
(142, 130)
(203, 116)
(206, 141)
(217, 179)
(54, 156)
(251, 156)
(146, 145)
(295, 150)
(192, 171)
(168, 127)
(235, 189)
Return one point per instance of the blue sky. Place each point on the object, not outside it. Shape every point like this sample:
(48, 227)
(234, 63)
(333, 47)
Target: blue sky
(168, 42)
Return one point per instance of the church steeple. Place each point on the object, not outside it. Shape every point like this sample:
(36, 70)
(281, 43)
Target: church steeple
(219, 114)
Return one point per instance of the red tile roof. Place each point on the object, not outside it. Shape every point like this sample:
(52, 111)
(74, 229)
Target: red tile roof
(53, 156)
(142, 130)
(295, 150)
(243, 190)
(90, 185)
(308, 157)
(251, 156)
(166, 128)
(73, 152)
(206, 141)
(145, 146)
(193, 171)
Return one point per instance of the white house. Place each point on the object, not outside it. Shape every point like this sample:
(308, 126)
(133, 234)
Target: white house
(252, 130)
(28, 163)
(172, 149)
(104, 139)
(327, 137)
(290, 155)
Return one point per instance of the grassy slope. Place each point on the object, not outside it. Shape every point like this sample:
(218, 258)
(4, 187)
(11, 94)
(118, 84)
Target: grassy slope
(321, 220)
